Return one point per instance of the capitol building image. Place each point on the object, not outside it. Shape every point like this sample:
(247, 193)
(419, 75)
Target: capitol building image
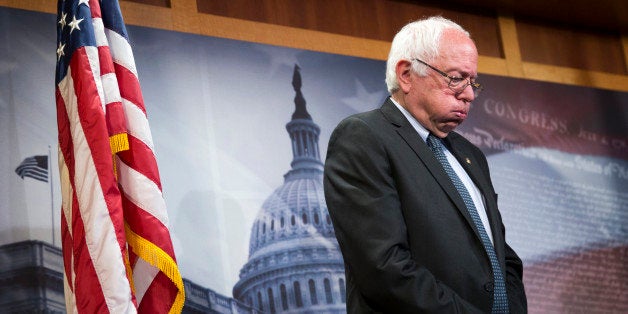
(294, 264)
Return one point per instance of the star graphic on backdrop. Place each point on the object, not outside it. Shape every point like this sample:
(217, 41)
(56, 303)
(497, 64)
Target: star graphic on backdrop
(85, 2)
(279, 57)
(74, 24)
(363, 99)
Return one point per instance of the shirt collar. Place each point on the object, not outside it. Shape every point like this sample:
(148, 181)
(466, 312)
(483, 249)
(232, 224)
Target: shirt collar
(423, 132)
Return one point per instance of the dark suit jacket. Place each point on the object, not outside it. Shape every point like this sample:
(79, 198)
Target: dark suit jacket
(408, 242)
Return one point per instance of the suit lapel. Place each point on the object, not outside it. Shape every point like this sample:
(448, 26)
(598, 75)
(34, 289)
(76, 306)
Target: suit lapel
(471, 166)
(425, 154)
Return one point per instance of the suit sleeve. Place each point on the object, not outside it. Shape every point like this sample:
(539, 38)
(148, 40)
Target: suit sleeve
(366, 212)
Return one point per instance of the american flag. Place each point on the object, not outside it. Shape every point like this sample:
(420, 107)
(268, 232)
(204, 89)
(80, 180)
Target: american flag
(117, 252)
(35, 167)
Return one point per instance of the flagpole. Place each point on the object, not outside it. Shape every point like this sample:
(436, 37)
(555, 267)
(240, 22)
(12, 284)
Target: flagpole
(52, 203)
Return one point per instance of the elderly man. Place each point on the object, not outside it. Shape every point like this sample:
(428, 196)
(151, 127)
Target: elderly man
(412, 201)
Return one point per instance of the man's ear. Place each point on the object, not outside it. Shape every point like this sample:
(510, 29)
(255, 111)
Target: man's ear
(404, 75)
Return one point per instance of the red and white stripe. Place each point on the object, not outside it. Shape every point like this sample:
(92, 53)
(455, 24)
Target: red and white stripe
(100, 95)
(92, 209)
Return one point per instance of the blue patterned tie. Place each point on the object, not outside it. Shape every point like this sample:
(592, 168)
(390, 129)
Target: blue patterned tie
(500, 300)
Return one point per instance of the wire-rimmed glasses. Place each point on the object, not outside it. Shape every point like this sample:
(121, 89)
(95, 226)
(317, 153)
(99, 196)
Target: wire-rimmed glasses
(456, 83)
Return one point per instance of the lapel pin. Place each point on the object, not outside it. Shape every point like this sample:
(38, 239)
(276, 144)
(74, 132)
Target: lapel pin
(468, 160)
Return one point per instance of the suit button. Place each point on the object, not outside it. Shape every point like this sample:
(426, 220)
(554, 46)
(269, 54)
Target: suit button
(488, 286)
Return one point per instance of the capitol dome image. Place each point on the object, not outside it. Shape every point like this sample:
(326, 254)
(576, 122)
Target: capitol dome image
(294, 263)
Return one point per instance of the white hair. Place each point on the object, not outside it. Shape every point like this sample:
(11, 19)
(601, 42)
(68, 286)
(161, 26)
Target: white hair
(419, 39)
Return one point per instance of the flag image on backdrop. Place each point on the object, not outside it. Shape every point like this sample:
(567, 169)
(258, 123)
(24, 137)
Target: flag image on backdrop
(117, 252)
(35, 167)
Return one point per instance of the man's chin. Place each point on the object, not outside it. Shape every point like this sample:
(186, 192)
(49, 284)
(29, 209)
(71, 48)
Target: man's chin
(449, 126)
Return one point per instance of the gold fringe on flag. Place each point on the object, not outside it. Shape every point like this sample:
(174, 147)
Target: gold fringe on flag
(160, 259)
(129, 271)
(118, 142)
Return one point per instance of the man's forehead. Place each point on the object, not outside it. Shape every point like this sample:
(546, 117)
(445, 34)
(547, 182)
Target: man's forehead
(457, 52)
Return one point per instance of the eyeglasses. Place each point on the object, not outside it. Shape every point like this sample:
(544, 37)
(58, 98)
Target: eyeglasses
(457, 84)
